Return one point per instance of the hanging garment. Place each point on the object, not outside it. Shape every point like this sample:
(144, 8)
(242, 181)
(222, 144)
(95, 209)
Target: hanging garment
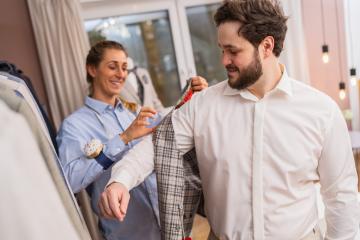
(16, 101)
(16, 74)
(18, 85)
(145, 95)
(31, 207)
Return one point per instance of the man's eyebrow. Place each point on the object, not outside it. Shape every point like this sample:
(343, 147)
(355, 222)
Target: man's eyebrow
(111, 61)
(229, 46)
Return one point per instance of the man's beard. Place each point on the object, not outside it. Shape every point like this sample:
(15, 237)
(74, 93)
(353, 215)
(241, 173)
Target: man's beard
(247, 76)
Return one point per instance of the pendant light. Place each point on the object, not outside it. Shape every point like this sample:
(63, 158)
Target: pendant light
(353, 77)
(342, 86)
(342, 90)
(325, 47)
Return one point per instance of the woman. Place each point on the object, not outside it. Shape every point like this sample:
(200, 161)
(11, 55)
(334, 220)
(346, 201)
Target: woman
(115, 126)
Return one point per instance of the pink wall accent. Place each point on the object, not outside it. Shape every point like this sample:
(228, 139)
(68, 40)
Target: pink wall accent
(326, 77)
(18, 42)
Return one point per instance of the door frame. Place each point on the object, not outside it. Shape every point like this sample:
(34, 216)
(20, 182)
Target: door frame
(185, 31)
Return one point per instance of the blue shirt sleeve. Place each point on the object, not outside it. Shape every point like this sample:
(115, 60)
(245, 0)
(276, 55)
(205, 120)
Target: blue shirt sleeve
(113, 149)
(80, 170)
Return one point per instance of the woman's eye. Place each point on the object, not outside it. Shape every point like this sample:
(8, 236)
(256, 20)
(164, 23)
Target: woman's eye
(112, 67)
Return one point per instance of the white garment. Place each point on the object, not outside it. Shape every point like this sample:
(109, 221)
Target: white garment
(259, 161)
(26, 94)
(31, 207)
(131, 78)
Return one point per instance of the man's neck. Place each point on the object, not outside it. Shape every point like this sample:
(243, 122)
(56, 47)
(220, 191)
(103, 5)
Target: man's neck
(272, 74)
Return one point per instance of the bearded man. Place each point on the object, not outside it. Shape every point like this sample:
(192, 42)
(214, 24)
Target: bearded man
(263, 141)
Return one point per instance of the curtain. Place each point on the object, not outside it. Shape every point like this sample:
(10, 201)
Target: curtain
(62, 46)
(351, 8)
(294, 55)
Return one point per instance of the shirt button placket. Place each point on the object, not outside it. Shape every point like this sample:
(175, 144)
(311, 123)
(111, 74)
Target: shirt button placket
(257, 174)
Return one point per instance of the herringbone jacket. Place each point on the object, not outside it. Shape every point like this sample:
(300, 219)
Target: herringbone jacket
(179, 194)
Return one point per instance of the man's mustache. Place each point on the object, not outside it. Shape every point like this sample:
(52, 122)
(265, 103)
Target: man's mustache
(231, 67)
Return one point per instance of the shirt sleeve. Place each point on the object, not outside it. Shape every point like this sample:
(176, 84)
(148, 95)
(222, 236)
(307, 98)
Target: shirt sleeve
(136, 165)
(183, 123)
(80, 170)
(338, 179)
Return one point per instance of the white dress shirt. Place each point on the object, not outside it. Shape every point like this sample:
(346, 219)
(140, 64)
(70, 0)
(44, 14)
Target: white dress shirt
(260, 159)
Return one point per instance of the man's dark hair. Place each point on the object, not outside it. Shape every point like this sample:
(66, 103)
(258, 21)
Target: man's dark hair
(258, 19)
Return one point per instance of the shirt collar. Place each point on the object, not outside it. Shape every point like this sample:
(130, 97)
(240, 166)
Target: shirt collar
(99, 106)
(283, 85)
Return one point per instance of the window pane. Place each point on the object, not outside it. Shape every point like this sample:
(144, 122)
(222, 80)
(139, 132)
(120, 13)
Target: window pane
(203, 34)
(148, 40)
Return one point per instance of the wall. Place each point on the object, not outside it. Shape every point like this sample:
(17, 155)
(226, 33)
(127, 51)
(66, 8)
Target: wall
(17, 42)
(326, 77)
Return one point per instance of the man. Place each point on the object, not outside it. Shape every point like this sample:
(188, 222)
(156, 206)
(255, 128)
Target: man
(263, 140)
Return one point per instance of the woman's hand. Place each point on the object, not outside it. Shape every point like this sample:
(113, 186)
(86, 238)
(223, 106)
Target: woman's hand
(139, 127)
(198, 83)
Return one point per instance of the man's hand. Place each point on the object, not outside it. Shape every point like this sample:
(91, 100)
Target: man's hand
(114, 201)
(198, 83)
(138, 128)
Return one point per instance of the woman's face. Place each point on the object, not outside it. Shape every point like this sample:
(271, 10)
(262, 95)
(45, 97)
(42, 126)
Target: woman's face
(109, 77)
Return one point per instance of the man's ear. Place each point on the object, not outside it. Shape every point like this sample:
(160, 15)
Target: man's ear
(91, 69)
(267, 46)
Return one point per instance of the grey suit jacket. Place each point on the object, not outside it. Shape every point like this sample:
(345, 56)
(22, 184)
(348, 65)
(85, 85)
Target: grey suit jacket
(179, 186)
(18, 104)
(151, 98)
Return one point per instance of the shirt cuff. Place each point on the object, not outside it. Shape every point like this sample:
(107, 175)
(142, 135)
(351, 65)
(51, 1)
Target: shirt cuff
(115, 148)
(122, 177)
(104, 161)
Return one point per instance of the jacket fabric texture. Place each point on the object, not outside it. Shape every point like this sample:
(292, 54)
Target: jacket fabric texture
(178, 179)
